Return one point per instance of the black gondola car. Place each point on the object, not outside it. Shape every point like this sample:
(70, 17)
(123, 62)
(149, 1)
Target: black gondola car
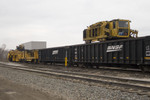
(135, 52)
(125, 51)
(54, 55)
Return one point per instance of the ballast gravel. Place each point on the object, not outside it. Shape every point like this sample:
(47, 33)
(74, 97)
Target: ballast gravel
(67, 89)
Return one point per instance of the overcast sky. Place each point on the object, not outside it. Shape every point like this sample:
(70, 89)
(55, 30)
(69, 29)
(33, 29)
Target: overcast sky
(61, 22)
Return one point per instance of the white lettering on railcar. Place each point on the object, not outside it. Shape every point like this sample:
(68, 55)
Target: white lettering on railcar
(147, 50)
(114, 48)
(55, 52)
(147, 53)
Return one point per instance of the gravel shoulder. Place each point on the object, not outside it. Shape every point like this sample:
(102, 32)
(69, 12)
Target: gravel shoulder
(65, 89)
(13, 91)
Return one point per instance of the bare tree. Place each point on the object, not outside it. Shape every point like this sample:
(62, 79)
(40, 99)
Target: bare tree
(3, 52)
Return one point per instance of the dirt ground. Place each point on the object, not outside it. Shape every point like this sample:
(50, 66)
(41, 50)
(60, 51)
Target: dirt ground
(13, 91)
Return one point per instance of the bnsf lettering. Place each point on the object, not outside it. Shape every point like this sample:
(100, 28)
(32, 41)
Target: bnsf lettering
(114, 48)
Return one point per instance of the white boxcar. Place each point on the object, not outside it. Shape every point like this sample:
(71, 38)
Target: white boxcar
(34, 45)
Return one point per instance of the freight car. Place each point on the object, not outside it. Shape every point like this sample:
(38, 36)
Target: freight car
(127, 52)
(55, 55)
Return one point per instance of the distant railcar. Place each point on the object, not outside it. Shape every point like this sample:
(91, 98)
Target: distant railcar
(55, 55)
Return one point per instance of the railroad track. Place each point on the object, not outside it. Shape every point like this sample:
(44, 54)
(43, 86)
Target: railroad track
(141, 86)
(105, 68)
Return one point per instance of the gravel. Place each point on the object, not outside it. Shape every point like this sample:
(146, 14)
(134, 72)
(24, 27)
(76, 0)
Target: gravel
(67, 89)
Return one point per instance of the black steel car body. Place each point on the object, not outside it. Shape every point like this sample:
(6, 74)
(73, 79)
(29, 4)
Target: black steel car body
(135, 51)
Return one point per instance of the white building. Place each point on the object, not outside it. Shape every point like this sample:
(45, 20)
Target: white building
(34, 45)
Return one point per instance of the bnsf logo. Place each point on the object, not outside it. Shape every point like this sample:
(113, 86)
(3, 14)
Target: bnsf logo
(55, 52)
(114, 48)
